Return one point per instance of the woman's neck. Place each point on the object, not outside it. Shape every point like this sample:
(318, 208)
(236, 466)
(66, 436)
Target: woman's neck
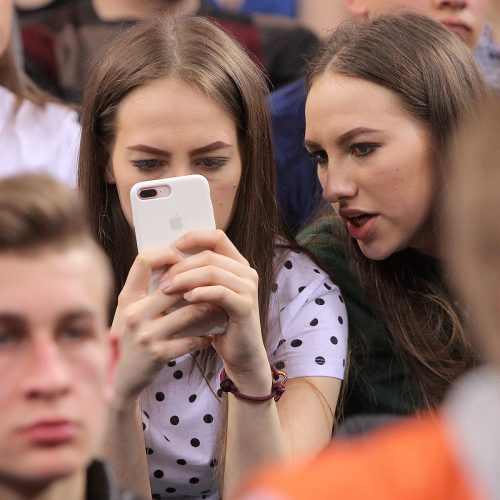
(112, 10)
(72, 487)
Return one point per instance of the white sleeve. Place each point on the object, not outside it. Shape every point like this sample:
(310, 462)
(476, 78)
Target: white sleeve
(307, 321)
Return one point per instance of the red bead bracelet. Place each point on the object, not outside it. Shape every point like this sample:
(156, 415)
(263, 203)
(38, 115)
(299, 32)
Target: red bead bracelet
(279, 379)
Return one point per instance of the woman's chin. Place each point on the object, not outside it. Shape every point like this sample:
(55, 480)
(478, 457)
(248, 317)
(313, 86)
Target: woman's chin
(374, 251)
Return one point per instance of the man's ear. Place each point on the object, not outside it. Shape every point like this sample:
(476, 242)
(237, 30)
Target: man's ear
(109, 175)
(358, 8)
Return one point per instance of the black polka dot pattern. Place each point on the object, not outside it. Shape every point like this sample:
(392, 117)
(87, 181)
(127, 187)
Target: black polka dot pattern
(307, 321)
(341, 299)
(320, 360)
(156, 496)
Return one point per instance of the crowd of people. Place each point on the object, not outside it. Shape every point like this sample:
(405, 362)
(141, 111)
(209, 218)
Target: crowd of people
(353, 178)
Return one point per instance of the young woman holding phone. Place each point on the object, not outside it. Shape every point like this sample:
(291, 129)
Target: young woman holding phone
(172, 98)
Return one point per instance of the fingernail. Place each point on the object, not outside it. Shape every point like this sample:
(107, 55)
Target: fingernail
(165, 284)
(188, 295)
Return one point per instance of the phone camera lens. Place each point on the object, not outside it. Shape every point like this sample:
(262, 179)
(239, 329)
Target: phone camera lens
(147, 193)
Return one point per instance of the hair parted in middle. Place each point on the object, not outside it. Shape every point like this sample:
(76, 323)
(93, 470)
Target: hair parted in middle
(197, 52)
(431, 72)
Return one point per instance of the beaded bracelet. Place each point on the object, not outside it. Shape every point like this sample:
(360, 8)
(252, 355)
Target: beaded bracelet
(279, 379)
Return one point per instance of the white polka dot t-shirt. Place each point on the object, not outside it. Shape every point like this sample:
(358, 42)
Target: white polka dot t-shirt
(181, 412)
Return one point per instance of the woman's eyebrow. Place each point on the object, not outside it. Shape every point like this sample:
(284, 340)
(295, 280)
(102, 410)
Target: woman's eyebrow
(210, 147)
(142, 148)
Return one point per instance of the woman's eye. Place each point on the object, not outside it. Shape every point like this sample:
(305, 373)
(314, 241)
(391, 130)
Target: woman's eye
(212, 163)
(363, 148)
(147, 165)
(318, 158)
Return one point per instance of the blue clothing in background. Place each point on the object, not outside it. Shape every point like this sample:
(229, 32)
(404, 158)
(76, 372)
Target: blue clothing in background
(297, 185)
(488, 58)
(280, 7)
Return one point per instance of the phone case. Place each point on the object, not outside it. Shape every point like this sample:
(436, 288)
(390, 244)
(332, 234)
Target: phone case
(184, 205)
(159, 221)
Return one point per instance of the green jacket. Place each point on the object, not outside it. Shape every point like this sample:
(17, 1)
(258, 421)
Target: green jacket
(377, 381)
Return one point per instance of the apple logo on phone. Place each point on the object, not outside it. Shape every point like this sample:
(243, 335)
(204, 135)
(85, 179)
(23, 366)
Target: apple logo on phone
(176, 222)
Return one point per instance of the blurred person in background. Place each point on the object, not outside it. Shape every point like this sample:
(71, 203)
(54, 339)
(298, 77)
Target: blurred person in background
(61, 38)
(36, 133)
(279, 7)
(488, 52)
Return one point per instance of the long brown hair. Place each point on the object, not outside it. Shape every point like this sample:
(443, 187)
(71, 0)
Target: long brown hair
(436, 80)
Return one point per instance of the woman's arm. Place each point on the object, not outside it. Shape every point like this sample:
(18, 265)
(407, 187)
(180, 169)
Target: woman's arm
(300, 423)
(260, 432)
(145, 347)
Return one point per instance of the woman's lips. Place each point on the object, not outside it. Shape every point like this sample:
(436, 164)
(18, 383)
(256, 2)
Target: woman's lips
(360, 227)
(51, 432)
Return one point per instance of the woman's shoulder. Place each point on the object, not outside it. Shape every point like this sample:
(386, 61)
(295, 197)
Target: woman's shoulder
(307, 319)
(296, 271)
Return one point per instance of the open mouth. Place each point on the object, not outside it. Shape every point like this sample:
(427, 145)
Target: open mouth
(359, 220)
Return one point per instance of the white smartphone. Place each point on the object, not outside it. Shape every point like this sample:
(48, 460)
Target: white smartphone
(162, 211)
(165, 209)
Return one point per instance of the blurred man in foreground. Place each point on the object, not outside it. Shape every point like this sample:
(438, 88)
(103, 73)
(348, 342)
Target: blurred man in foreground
(57, 357)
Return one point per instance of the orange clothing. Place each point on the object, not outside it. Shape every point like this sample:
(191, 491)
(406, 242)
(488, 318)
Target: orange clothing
(407, 461)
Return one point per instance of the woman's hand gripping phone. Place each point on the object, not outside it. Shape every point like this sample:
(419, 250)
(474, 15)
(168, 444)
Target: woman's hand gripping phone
(163, 211)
